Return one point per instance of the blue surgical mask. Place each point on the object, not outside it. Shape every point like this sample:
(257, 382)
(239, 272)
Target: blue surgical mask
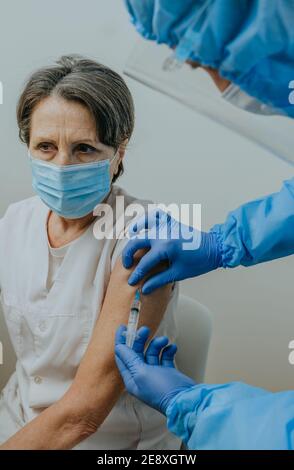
(237, 97)
(71, 191)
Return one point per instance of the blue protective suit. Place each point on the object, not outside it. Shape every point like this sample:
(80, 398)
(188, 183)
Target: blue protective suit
(233, 416)
(259, 231)
(249, 42)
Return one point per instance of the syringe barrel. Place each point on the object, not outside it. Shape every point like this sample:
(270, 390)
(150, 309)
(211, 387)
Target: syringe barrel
(133, 321)
(132, 327)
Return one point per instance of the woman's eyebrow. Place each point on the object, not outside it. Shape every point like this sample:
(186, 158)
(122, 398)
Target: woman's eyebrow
(41, 138)
(86, 141)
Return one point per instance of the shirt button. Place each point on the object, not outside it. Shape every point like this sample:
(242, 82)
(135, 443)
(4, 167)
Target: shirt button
(38, 380)
(42, 326)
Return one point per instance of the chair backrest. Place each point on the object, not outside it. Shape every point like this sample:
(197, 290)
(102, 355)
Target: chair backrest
(194, 327)
(9, 359)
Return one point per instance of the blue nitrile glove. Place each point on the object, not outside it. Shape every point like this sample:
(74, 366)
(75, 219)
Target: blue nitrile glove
(150, 377)
(190, 253)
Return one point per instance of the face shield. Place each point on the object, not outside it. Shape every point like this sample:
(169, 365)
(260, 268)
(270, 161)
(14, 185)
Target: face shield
(232, 38)
(153, 65)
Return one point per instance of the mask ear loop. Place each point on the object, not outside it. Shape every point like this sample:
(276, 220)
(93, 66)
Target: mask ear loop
(111, 162)
(113, 158)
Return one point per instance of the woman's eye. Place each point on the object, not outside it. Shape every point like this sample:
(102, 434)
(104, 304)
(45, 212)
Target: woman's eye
(45, 147)
(84, 148)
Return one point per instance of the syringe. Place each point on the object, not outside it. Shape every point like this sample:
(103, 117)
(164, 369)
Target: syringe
(133, 320)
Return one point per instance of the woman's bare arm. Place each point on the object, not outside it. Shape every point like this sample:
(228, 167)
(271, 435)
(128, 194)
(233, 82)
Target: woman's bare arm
(97, 385)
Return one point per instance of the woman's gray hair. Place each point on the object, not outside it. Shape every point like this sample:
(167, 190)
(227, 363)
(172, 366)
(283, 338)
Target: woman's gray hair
(100, 89)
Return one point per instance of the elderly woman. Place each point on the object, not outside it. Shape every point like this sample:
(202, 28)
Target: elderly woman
(63, 292)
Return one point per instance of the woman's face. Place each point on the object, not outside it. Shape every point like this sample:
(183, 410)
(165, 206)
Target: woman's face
(64, 133)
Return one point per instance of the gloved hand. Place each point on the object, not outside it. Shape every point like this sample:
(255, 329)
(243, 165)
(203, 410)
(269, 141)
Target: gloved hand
(190, 253)
(151, 377)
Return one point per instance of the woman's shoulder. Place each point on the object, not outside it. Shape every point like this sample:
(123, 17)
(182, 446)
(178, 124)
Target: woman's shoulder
(129, 199)
(22, 209)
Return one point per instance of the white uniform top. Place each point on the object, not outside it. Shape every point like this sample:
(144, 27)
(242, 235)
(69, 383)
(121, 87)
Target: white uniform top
(56, 257)
(51, 302)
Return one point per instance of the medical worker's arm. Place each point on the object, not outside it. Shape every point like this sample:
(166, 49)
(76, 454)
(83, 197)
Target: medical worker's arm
(97, 385)
(233, 416)
(259, 231)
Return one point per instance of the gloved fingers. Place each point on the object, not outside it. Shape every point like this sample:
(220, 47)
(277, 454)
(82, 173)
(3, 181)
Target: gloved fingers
(141, 339)
(146, 221)
(152, 355)
(150, 220)
(149, 261)
(132, 247)
(168, 355)
(128, 357)
(120, 335)
(158, 280)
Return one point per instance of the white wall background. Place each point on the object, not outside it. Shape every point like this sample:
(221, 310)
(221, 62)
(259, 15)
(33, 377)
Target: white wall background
(175, 156)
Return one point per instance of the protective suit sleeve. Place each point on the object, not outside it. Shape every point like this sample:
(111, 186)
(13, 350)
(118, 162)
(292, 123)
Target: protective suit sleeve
(259, 231)
(233, 416)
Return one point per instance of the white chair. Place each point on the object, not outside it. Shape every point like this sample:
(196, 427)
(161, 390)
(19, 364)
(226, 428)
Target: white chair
(9, 359)
(194, 325)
